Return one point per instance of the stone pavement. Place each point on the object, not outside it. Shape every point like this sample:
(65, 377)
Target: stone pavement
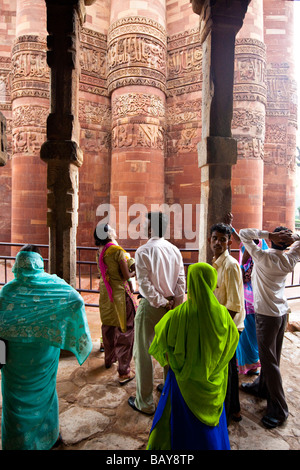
(95, 415)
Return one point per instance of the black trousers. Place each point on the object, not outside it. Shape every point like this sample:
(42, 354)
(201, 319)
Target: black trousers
(232, 399)
(270, 334)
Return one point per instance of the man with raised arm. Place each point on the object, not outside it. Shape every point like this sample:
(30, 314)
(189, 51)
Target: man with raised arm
(270, 271)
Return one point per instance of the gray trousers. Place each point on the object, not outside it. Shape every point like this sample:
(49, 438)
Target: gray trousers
(270, 333)
(145, 320)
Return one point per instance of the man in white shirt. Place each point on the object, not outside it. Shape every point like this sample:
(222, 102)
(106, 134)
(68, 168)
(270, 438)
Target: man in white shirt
(161, 278)
(230, 293)
(270, 270)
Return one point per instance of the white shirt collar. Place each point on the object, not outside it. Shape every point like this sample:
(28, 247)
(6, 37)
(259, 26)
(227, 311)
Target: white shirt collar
(221, 258)
(155, 238)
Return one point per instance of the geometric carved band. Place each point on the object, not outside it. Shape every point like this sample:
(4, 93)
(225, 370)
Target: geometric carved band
(67, 151)
(135, 135)
(131, 105)
(138, 121)
(28, 128)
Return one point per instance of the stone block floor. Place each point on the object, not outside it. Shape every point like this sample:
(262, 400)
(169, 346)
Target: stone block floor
(95, 415)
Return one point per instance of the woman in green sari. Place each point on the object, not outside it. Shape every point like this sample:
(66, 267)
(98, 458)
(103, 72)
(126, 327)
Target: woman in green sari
(197, 340)
(39, 315)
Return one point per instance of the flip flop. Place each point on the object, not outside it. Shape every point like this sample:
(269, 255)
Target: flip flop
(123, 379)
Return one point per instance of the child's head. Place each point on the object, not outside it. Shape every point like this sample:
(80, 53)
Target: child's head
(104, 234)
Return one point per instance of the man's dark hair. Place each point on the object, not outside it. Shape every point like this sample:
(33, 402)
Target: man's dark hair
(158, 222)
(280, 247)
(33, 248)
(221, 228)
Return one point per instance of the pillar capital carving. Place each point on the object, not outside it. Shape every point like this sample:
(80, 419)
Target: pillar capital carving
(198, 6)
(217, 151)
(62, 150)
(220, 14)
(76, 5)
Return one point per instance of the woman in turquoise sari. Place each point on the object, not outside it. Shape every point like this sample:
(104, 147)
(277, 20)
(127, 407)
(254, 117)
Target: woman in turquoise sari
(39, 315)
(197, 340)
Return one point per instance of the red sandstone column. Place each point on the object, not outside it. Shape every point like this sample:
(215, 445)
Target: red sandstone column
(281, 116)
(248, 123)
(7, 31)
(137, 83)
(184, 121)
(30, 107)
(95, 120)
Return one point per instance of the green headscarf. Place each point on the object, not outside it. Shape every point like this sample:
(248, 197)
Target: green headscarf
(37, 306)
(197, 339)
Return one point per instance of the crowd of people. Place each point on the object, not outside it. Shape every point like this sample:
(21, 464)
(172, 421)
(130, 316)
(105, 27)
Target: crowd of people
(231, 321)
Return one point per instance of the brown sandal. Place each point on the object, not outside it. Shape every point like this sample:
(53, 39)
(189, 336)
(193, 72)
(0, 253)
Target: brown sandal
(123, 379)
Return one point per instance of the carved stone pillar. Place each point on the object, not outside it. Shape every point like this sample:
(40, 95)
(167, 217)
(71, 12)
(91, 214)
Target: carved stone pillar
(30, 107)
(137, 83)
(8, 31)
(184, 90)
(61, 150)
(281, 116)
(95, 130)
(217, 152)
(248, 124)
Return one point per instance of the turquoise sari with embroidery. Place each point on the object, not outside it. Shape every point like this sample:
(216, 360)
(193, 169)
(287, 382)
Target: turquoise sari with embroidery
(39, 315)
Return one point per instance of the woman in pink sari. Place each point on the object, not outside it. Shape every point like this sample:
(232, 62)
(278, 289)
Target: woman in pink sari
(117, 303)
(247, 350)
